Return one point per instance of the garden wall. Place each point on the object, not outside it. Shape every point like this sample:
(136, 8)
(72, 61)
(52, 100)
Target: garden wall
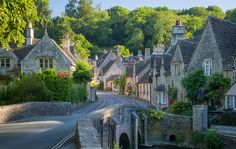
(31, 109)
(171, 128)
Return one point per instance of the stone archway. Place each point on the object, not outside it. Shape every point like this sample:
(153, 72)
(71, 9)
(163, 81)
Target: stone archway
(124, 141)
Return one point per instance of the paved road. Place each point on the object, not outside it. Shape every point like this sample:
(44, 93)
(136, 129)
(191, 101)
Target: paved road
(46, 132)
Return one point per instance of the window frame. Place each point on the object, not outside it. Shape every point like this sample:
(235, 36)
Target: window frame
(207, 65)
(5, 62)
(46, 63)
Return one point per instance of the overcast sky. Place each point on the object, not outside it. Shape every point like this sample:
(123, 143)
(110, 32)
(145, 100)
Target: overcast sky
(58, 6)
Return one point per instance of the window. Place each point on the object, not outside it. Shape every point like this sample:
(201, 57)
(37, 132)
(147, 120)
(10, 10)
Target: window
(46, 63)
(177, 69)
(231, 102)
(5, 62)
(207, 67)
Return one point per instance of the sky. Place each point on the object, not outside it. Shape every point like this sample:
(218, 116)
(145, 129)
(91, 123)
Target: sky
(58, 6)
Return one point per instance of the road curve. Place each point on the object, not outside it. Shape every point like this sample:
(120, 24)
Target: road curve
(46, 132)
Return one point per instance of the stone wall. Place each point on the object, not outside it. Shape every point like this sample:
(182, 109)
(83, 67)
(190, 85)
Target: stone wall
(169, 127)
(31, 109)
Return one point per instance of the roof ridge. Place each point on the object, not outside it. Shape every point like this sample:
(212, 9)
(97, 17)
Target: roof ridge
(223, 20)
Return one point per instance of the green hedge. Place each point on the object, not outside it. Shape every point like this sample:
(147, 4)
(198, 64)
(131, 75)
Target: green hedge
(181, 108)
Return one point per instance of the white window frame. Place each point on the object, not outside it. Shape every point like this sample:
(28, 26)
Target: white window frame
(230, 102)
(5, 62)
(207, 67)
(176, 68)
(45, 63)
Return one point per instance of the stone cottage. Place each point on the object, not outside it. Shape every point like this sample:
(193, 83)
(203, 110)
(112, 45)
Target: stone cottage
(216, 51)
(35, 55)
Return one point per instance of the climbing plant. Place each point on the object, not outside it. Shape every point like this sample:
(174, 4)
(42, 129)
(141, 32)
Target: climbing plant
(122, 82)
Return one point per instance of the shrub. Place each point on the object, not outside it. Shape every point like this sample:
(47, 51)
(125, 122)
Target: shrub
(181, 108)
(116, 146)
(158, 114)
(27, 88)
(197, 138)
(83, 72)
(59, 83)
(79, 93)
(212, 140)
(180, 137)
(226, 118)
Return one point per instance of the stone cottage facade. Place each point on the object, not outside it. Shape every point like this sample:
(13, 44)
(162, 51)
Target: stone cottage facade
(34, 56)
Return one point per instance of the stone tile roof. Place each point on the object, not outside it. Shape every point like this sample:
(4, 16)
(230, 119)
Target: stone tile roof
(101, 59)
(22, 52)
(140, 66)
(112, 77)
(108, 66)
(160, 87)
(167, 62)
(131, 59)
(225, 35)
(129, 70)
(156, 62)
(145, 78)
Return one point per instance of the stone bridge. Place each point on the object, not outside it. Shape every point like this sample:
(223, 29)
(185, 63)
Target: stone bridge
(123, 125)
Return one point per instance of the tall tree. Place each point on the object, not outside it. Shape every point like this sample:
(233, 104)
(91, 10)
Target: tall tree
(71, 8)
(14, 15)
(216, 11)
(231, 15)
(118, 18)
(81, 46)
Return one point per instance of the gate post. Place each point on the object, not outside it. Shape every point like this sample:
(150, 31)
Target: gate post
(135, 131)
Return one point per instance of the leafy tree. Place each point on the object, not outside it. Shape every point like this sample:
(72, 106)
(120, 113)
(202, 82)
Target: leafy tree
(14, 15)
(196, 11)
(71, 8)
(194, 85)
(123, 50)
(216, 86)
(135, 41)
(216, 12)
(231, 15)
(122, 83)
(118, 18)
(81, 46)
(83, 72)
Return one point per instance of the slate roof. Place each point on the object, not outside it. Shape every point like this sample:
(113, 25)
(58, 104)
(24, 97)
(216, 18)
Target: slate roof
(129, 70)
(156, 62)
(145, 78)
(225, 35)
(107, 67)
(167, 62)
(112, 77)
(101, 59)
(140, 66)
(131, 59)
(22, 52)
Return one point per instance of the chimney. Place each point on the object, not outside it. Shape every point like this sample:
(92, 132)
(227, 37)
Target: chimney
(118, 52)
(140, 53)
(159, 49)
(29, 34)
(147, 53)
(66, 41)
(104, 51)
(96, 57)
(178, 32)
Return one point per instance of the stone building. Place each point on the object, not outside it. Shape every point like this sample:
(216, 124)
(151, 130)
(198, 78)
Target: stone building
(216, 51)
(35, 55)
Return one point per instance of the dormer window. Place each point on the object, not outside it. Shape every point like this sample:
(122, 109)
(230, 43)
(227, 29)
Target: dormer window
(177, 68)
(46, 63)
(207, 67)
(5, 62)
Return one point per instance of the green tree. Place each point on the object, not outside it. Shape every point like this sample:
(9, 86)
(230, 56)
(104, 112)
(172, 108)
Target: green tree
(118, 18)
(71, 8)
(83, 72)
(124, 52)
(194, 86)
(135, 41)
(216, 12)
(196, 11)
(14, 15)
(216, 86)
(231, 15)
(122, 83)
(81, 46)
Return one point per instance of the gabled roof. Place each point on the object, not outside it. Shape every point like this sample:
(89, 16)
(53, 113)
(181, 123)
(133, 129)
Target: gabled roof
(131, 59)
(167, 62)
(156, 62)
(145, 78)
(102, 58)
(108, 66)
(129, 70)
(112, 77)
(140, 66)
(22, 52)
(225, 35)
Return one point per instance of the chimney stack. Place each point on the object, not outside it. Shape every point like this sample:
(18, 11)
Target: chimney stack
(159, 49)
(140, 53)
(29, 34)
(66, 41)
(147, 53)
(178, 32)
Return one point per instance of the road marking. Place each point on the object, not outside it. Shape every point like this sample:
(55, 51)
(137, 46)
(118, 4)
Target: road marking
(61, 143)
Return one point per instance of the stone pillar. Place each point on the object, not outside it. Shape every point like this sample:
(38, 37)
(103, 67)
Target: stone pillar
(135, 139)
(200, 118)
(145, 129)
(92, 94)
